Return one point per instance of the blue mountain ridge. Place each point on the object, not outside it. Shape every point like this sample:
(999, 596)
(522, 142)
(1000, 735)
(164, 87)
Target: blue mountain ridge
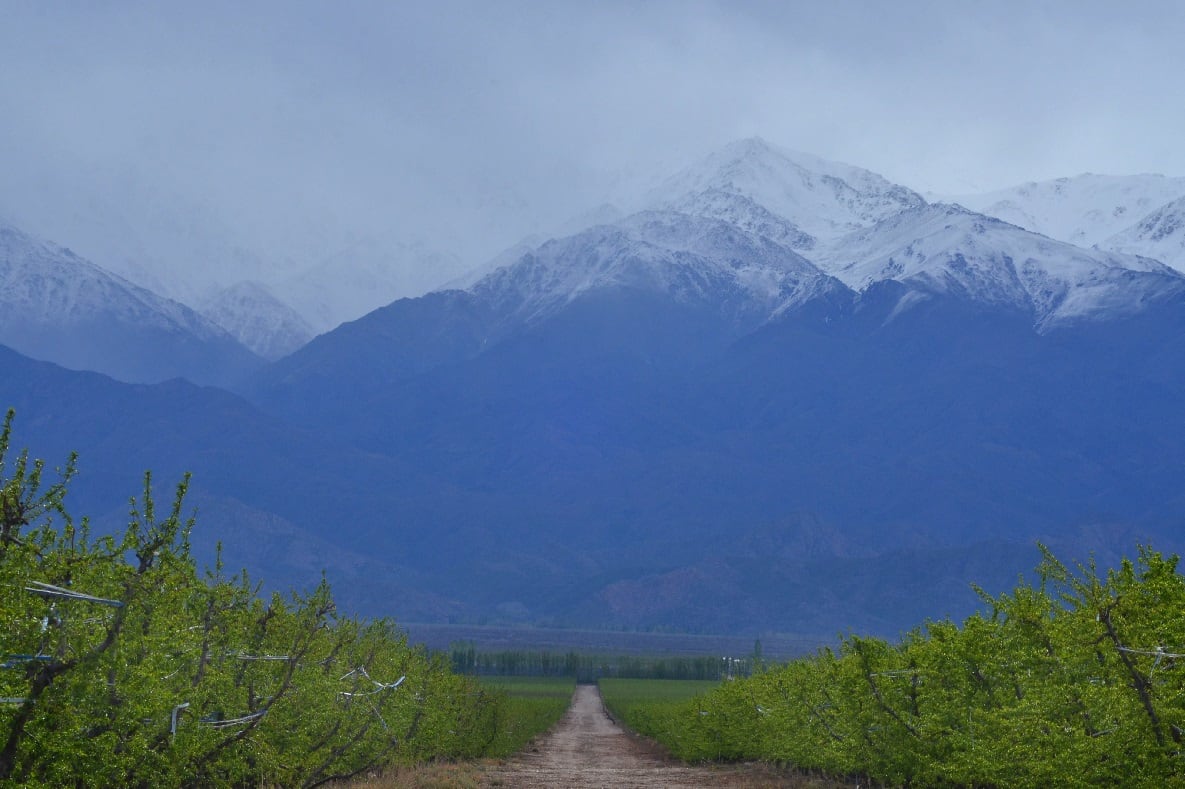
(626, 438)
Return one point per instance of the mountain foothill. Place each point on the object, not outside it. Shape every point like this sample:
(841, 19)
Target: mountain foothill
(774, 393)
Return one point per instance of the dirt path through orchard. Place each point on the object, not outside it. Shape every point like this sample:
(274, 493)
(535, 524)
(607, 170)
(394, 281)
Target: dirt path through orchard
(587, 749)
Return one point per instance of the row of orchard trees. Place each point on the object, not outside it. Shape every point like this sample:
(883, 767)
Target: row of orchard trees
(1077, 680)
(122, 665)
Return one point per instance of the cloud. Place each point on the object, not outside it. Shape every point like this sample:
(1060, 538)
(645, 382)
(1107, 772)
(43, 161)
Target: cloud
(470, 124)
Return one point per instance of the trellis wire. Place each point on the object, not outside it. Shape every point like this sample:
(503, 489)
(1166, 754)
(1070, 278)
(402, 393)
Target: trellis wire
(379, 686)
(227, 723)
(243, 656)
(16, 661)
(61, 593)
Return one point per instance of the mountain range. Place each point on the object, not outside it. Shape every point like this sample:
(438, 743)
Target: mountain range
(774, 392)
(306, 274)
(59, 307)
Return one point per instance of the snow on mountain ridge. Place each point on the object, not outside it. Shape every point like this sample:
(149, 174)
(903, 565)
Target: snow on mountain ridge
(44, 281)
(821, 198)
(935, 248)
(945, 248)
(794, 200)
(58, 307)
(133, 223)
(693, 259)
(1084, 210)
(745, 213)
(1160, 235)
(256, 318)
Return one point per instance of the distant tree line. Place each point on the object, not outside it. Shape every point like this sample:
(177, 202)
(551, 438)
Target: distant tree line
(466, 658)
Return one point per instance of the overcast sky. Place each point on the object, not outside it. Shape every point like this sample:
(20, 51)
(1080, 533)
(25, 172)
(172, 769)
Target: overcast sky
(465, 123)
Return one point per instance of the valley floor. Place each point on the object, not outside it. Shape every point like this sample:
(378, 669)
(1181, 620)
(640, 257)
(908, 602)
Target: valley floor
(589, 750)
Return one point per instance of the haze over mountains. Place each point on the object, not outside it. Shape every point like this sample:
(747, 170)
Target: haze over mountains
(304, 277)
(774, 392)
(59, 307)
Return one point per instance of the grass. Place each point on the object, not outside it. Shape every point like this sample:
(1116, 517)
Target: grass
(624, 694)
(649, 706)
(533, 687)
(533, 705)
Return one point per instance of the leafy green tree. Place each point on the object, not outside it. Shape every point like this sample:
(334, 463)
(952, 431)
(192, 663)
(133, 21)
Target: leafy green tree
(1078, 679)
(124, 666)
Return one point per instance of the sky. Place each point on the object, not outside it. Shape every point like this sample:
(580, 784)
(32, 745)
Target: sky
(463, 126)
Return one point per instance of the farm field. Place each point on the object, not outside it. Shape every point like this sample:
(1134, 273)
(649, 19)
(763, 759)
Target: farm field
(627, 693)
(589, 749)
(651, 706)
(532, 706)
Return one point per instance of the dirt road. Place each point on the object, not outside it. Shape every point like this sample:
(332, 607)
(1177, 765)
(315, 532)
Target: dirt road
(587, 749)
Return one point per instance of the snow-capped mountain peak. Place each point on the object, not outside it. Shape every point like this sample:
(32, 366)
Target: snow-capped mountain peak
(819, 198)
(728, 229)
(746, 213)
(44, 281)
(59, 307)
(691, 259)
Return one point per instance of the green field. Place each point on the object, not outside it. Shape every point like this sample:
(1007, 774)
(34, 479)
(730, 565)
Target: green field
(651, 707)
(532, 706)
(626, 693)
